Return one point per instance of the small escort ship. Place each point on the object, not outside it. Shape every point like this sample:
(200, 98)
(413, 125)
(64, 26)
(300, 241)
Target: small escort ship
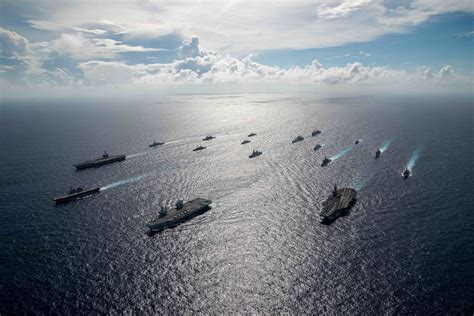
(155, 143)
(104, 160)
(337, 203)
(377, 153)
(75, 194)
(316, 132)
(406, 173)
(297, 139)
(245, 142)
(317, 147)
(325, 162)
(252, 134)
(255, 153)
(199, 148)
(208, 137)
(179, 214)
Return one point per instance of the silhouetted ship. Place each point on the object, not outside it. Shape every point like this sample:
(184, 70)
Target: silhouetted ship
(325, 162)
(199, 148)
(209, 137)
(181, 213)
(155, 144)
(104, 160)
(255, 153)
(356, 142)
(252, 134)
(377, 153)
(317, 147)
(316, 132)
(75, 194)
(245, 142)
(406, 173)
(339, 201)
(297, 139)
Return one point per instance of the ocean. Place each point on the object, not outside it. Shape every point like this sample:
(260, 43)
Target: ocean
(405, 247)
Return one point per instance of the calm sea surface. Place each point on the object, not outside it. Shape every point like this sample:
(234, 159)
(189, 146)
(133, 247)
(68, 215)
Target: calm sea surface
(406, 246)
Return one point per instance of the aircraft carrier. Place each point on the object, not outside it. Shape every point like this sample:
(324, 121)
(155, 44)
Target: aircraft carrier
(181, 213)
(75, 194)
(104, 160)
(339, 201)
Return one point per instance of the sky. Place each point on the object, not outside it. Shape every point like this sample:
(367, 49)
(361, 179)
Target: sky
(350, 44)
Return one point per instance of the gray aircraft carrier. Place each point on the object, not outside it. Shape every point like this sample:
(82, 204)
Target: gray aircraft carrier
(339, 201)
(181, 213)
(104, 160)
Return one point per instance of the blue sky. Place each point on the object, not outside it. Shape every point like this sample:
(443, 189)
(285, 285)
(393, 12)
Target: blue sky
(80, 44)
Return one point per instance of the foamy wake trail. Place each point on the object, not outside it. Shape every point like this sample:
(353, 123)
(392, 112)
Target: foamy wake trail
(414, 157)
(385, 145)
(136, 155)
(127, 181)
(342, 153)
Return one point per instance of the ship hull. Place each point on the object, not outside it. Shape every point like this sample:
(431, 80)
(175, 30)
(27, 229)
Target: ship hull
(76, 196)
(176, 217)
(99, 163)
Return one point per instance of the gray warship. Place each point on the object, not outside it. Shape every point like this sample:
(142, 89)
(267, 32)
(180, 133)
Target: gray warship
(406, 173)
(255, 153)
(179, 214)
(155, 143)
(337, 203)
(298, 139)
(104, 160)
(75, 194)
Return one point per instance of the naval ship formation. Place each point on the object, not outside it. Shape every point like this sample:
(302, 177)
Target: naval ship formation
(334, 206)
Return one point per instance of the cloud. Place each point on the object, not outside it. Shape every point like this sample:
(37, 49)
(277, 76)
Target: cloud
(464, 34)
(341, 9)
(200, 66)
(425, 72)
(84, 47)
(12, 45)
(75, 59)
(245, 26)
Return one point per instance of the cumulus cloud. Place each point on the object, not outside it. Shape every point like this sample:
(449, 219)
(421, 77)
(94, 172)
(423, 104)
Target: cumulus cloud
(197, 65)
(75, 59)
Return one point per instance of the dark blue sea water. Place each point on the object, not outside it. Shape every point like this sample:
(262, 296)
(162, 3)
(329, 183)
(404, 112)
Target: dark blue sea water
(406, 247)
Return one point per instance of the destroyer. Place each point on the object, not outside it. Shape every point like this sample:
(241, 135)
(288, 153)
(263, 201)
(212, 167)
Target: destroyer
(297, 139)
(104, 160)
(75, 194)
(325, 162)
(155, 143)
(255, 153)
(179, 214)
(316, 132)
(337, 203)
(406, 173)
(199, 148)
(245, 142)
(377, 153)
(209, 137)
(252, 134)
